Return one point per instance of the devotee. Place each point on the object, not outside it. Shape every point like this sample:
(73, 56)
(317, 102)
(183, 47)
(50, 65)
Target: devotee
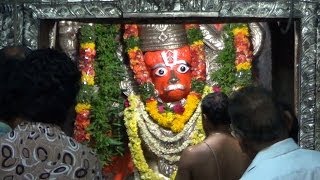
(257, 123)
(9, 58)
(45, 86)
(219, 156)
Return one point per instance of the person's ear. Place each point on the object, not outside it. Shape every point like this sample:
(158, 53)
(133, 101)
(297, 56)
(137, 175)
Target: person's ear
(288, 120)
(246, 147)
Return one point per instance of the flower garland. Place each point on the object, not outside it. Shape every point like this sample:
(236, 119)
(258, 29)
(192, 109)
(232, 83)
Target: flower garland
(235, 59)
(132, 117)
(175, 118)
(137, 64)
(244, 55)
(170, 120)
(107, 127)
(83, 107)
(135, 141)
(102, 127)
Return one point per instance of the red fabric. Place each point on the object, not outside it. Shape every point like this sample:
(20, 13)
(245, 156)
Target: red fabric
(120, 168)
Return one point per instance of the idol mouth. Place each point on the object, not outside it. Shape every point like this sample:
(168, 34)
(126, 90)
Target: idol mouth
(174, 87)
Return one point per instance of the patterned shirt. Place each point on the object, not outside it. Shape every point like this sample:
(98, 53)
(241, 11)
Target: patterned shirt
(43, 151)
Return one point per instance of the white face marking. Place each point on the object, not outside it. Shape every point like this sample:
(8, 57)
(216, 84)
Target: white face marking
(170, 58)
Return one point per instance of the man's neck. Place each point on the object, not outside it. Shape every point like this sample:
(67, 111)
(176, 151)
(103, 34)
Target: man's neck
(222, 129)
(257, 147)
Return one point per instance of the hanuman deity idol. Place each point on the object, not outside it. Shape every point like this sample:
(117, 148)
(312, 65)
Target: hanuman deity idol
(170, 70)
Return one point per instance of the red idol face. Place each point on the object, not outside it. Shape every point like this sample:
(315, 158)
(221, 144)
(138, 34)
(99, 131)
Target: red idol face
(170, 72)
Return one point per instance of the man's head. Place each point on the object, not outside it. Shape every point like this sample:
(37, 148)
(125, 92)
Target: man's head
(255, 117)
(10, 57)
(46, 86)
(214, 109)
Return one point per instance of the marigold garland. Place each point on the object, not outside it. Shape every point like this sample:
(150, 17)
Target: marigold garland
(171, 120)
(137, 63)
(102, 128)
(235, 59)
(244, 55)
(87, 55)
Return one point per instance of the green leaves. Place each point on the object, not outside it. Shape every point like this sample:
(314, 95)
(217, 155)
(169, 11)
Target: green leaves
(225, 75)
(197, 85)
(146, 91)
(87, 34)
(107, 126)
(193, 35)
(132, 42)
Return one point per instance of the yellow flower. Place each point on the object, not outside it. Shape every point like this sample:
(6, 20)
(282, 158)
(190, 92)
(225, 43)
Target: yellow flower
(131, 117)
(82, 106)
(90, 45)
(177, 127)
(198, 43)
(87, 79)
(206, 90)
(243, 66)
(173, 175)
(172, 121)
(241, 30)
(133, 50)
(198, 134)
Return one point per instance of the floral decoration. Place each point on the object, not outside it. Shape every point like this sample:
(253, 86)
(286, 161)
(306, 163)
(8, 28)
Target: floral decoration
(83, 108)
(235, 59)
(100, 127)
(132, 117)
(107, 126)
(173, 120)
(244, 55)
(235, 62)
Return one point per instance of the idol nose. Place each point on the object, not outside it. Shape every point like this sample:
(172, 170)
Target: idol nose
(173, 78)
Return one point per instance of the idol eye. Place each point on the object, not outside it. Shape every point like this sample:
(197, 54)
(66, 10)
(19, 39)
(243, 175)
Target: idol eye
(161, 71)
(183, 68)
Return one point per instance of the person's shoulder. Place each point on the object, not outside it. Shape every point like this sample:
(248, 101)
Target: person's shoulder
(193, 154)
(222, 141)
(309, 154)
(194, 150)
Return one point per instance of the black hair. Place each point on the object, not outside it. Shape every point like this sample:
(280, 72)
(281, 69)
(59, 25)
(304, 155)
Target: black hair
(45, 86)
(10, 57)
(215, 107)
(255, 115)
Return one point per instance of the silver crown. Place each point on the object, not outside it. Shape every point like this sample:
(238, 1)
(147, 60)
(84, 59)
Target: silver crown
(162, 36)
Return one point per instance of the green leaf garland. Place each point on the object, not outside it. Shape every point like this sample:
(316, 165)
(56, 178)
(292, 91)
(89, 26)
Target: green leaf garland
(107, 127)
